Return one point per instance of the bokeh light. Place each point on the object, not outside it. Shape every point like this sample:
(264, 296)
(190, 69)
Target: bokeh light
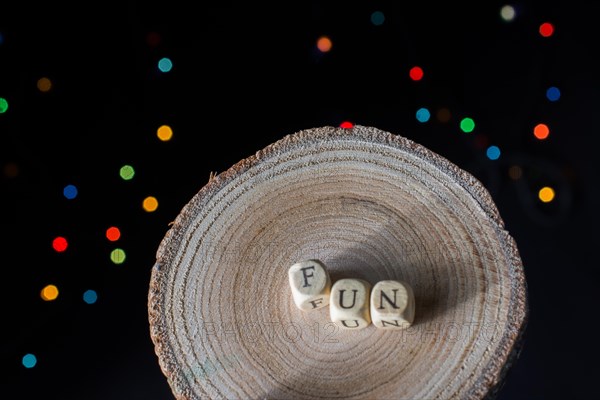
(443, 115)
(546, 194)
(11, 170)
(481, 141)
(165, 64)
(553, 93)
(507, 13)
(164, 133)
(346, 125)
(541, 131)
(117, 256)
(49, 293)
(416, 73)
(324, 44)
(546, 29)
(153, 39)
(70, 192)
(377, 18)
(113, 233)
(1, 38)
(467, 125)
(3, 105)
(127, 172)
(44, 84)
(90, 296)
(515, 172)
(60, 244)
(423, 114)
(150, 204)
(493, 152)
(29, 360)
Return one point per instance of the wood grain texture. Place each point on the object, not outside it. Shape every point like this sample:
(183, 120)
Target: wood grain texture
(371, 205)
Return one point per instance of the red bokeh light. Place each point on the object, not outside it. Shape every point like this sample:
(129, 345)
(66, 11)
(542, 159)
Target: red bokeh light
(60, 244)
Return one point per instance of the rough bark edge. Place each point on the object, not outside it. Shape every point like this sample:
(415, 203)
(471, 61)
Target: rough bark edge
(490, 382)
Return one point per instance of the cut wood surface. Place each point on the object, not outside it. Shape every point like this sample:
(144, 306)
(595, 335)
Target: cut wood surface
(370, 205)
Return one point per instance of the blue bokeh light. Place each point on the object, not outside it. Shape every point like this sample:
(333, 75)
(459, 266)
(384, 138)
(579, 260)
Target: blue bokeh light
(29, 360)
(70, 192)
(165, 64)
(493, 152)
(90, 296)
(377, 18)
(553, 93)
(423, 115)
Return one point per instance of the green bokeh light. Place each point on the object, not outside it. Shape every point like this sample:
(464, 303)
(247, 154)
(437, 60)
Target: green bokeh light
(117, 256)
(127, 172)
(467, 125)
(3, 105)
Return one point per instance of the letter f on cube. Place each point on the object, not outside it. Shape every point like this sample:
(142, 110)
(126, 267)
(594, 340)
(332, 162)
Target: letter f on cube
(310, 284)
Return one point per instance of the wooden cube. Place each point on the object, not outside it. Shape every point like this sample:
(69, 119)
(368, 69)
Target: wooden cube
(392, 305)
(349, 303)
(310, 284)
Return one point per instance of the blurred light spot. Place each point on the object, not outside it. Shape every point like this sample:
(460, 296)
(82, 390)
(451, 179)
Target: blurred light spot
(113, 233)
(553, 93)
(11, 170)
(70, 192)
(117, 256)
(507, 13)
(346, 125)
(324, 44)
(493, 152)
(546, 194)
(49, 293)
(153, 39)
(3, 105)
(164, 133)
(481, 141)
(1, 38)
(377, 18)
(165, 64)
(467, 125)
(416, 73)
(423, 114)
(44, 84)
(29, 360)
(126, 172)
(546, 29)
(60, 244)
(515, 172)
(90, 296)
(541, 131)
(150, 204)
(443, 115)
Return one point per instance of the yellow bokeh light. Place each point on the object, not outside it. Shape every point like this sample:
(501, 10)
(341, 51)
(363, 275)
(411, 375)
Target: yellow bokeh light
(49, 293)
(44, 84)
(150, 204)
(546, 194)
(164, 133)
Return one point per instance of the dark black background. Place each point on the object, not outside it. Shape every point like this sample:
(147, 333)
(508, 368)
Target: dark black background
(244, 76)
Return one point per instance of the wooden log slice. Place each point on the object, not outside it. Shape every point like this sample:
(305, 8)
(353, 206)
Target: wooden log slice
(370, 205)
